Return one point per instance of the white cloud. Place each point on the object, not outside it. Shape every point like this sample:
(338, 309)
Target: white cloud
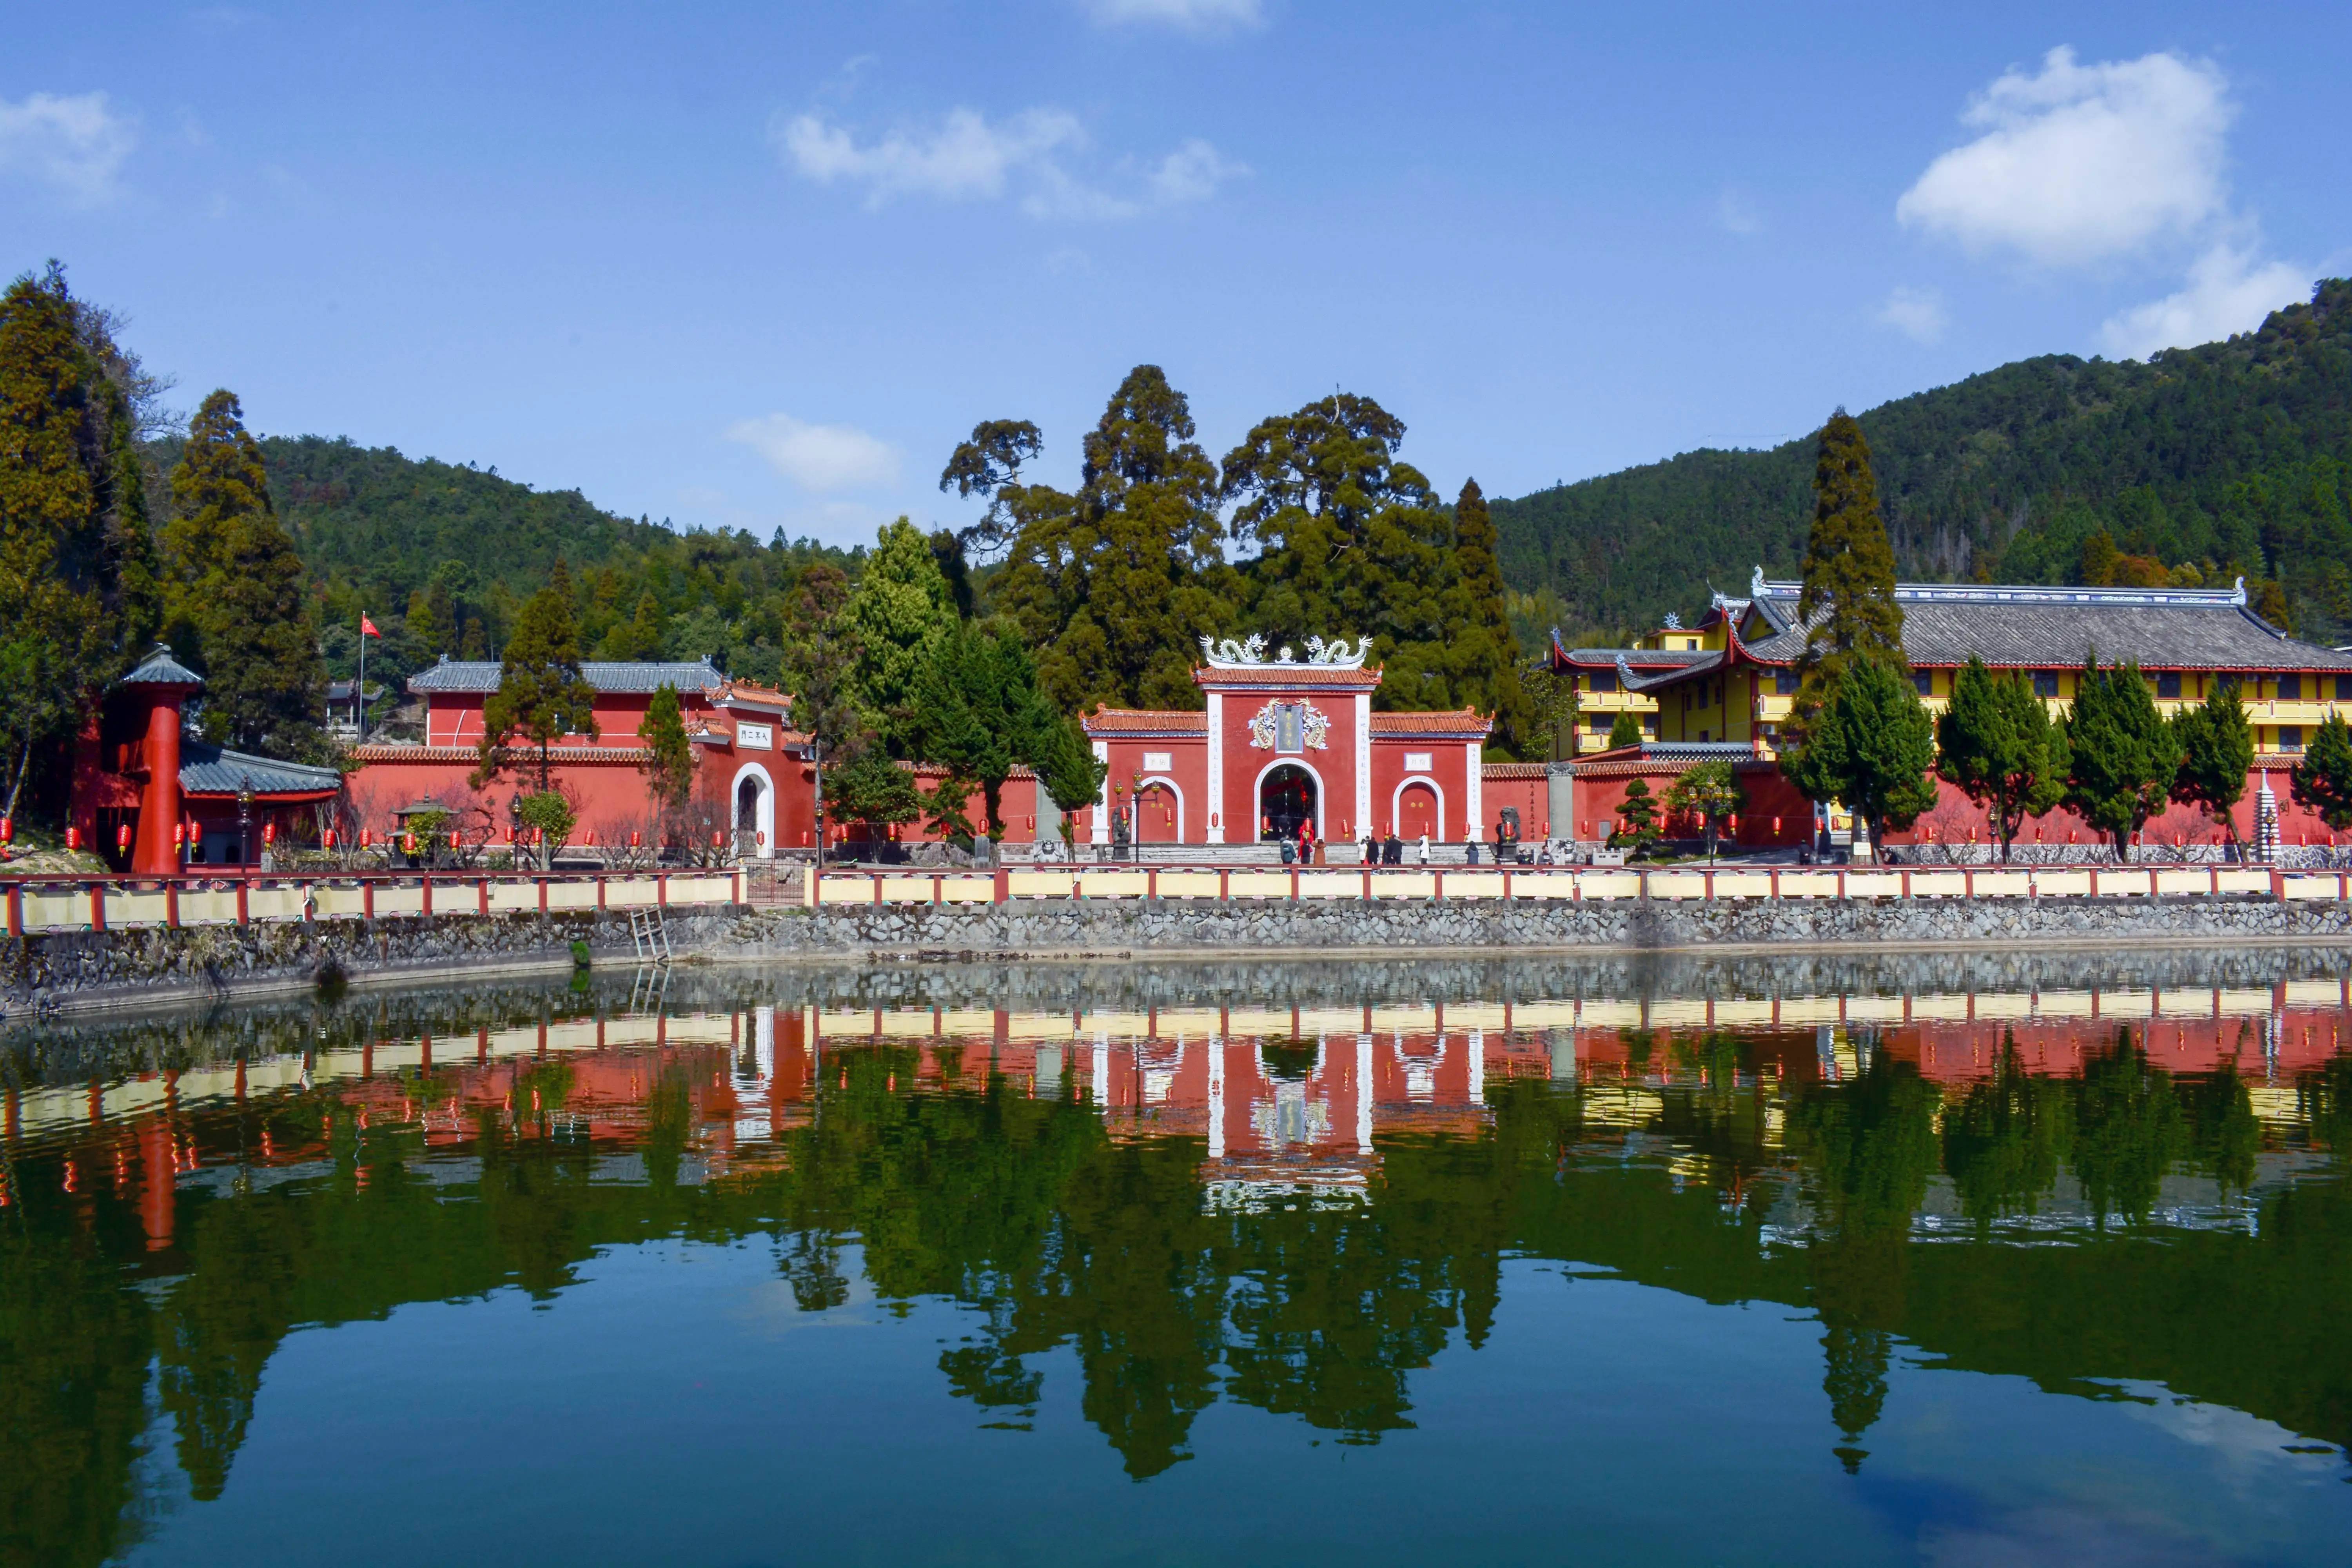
(1192, 172)
(1191, 15)
(1916, 313)
(76, 145)
(2228, 292)
(2081, 163)
(818, 457)
(966, 158)
(1737, 212)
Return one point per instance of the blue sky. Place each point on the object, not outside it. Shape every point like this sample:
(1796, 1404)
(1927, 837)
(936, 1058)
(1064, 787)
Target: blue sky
(763, 266)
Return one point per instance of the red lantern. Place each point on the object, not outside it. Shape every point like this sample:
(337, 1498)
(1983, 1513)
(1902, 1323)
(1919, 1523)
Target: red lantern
(122, 840)
(7, 830)
(715, 840)
(408, 844)
(759, 838)
(367, 838)
(454, 842)
(195, 834)
(329, 839)
(73, 838)
(636, 838)
(179, 836)
(268, 833)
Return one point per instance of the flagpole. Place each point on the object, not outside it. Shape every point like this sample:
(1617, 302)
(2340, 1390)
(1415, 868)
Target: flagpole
(360, 696)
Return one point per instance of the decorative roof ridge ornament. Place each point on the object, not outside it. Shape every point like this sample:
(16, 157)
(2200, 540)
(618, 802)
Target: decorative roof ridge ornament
(1624, 670)
(1226, 653)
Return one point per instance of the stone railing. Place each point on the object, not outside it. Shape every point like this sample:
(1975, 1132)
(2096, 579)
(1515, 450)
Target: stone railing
(43, 904)
(1451, 884)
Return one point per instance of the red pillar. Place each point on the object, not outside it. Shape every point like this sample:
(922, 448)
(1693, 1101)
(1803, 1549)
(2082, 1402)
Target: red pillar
(158, 801)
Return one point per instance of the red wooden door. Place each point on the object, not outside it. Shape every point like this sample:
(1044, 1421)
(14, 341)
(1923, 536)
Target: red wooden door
(1155, 815)
(1417, 813)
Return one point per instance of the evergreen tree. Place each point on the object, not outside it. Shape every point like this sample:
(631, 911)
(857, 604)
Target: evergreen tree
(2121, 756)
(541, 694)
(1624, 731)
(1637, 817)
(642, 635)
(1481, 653)
(237, 585)
(1112, 584)
(76, 565)
(980, 714)
(901, 610)
(1996, 742)
(1069, 771)
(868, 788)
(1869, 748)
(2322, 781)
(1848, 598)
(1349, 540)
(2217, 751)
(1709, 791)
(668, 766)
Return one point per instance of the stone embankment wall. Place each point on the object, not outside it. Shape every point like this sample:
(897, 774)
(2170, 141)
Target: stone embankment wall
(1177, 927)
(154, 963)
(116, 968)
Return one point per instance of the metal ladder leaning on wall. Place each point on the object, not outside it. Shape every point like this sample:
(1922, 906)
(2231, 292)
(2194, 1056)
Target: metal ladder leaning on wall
(649, 931)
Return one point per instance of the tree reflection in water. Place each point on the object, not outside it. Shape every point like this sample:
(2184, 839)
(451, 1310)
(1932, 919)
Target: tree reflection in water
(929, 1173)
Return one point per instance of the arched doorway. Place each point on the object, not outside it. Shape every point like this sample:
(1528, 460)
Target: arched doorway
(755, 813)
(1159, 813)
(1286, 796)
(1417, 813)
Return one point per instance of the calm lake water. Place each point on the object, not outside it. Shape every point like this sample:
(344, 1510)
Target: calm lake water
(2027, 1260)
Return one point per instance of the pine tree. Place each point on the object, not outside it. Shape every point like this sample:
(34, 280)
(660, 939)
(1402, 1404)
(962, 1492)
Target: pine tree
(1848, 598)
(1995, 742)
(77, 586)
(1870, 748)
(541, 694)
(2122, 757)
(1624, 731)
(236, 584)
(1111, 584)
(899, 611)
(668, 766)
(981, 714)
(1637, 817)
(1350, 540)
(2323, 779)
(1710, 792)
(2217, 751)
(1480, 650)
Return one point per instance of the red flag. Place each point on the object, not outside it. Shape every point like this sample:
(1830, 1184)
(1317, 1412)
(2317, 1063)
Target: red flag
(367, 628)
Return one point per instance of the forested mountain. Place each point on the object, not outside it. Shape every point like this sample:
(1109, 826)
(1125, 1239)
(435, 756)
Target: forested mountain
(2202, 465)
(440, 555)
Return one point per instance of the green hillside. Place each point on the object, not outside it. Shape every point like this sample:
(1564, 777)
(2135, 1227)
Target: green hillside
(2199, 466)
(441, 555)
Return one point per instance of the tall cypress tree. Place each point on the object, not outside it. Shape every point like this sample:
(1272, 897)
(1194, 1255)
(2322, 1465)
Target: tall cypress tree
(541, 693)
(1480, 646)
(899, 610)
(1111, 583)
(1849, 570)
(236, 583)
(2121, 756)
(77, 579)
(668, 766)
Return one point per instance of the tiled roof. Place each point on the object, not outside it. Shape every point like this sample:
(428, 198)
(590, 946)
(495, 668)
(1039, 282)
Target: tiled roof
(215, 770)
(2040, 635)
(160, 668)
(2030, 626)
(1461, 721)
(1144, 722)
(602, 675)
(1515, 769)
(750, 694)
(566, 756)
(1654, 757)
(1638, 658)
(1290, 676)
